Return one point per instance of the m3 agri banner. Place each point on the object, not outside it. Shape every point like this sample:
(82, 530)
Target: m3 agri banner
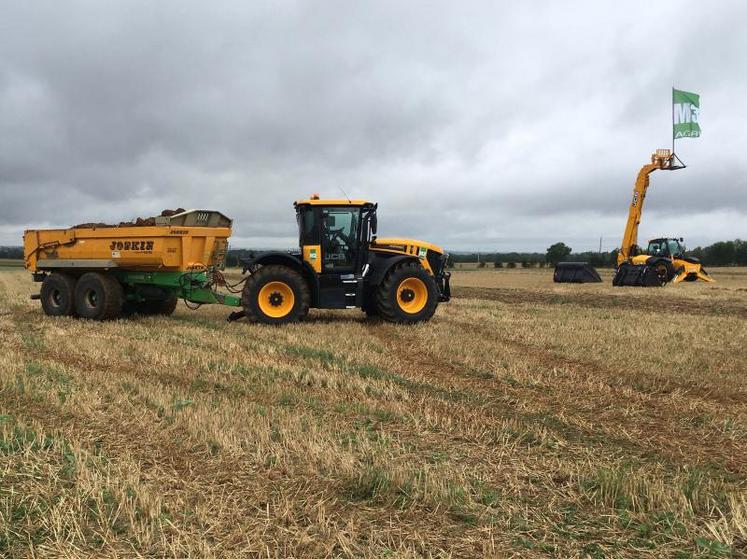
(685, 114)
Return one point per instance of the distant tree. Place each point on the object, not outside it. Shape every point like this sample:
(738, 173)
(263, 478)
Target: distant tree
(511, 265)
(596, 260)
(11, 252)
(557, 253)
(721, 253)
(740, 252)
(498, 264)
(613, 257)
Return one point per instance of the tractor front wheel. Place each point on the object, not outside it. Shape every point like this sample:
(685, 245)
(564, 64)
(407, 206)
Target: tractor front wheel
(276, 294)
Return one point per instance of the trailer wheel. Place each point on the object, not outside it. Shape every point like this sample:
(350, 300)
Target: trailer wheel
(275, 295)
(58, 295)
(407, 295)
(98, 297)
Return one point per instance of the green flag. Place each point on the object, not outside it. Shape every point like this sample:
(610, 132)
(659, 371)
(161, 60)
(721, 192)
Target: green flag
(685, 114)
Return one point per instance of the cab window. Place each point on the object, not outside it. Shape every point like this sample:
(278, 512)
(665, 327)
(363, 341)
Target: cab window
(340, 238)
(657, 248)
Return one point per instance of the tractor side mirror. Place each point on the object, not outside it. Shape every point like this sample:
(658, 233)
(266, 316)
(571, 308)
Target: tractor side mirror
(374, 223)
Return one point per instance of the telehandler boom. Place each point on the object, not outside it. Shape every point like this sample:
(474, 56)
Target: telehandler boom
(664, 260)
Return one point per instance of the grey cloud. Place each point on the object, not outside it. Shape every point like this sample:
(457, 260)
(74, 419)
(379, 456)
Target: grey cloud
(473, 126)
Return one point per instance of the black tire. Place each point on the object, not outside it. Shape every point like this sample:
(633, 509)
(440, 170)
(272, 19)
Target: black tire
(388, 294)
(663, 268)
(162, 307)
(58, 295)
(270, 275)
(98, 297)
(372, 311)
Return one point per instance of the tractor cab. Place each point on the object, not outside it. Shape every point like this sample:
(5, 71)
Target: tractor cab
(334, 234)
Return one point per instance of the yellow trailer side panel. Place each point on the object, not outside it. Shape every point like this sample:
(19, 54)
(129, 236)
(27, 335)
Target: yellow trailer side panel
(156, 248)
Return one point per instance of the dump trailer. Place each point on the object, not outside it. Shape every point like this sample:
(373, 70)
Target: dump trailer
(103, 272)
(664, 260)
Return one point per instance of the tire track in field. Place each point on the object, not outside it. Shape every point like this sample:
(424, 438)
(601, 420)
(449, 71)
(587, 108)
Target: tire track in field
(588, 401)
(182, 470)
(605, 301)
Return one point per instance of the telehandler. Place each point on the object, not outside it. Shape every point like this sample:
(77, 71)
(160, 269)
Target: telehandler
(102, 272)
(664, 260)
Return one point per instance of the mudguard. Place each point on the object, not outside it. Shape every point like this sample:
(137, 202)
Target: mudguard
(276, 257)
(380, 265)
(272, 257)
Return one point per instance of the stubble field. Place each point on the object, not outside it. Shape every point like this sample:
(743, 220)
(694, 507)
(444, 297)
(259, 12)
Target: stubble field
(525, 420)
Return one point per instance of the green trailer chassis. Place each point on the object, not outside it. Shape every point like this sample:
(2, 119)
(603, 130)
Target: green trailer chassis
(193, 287)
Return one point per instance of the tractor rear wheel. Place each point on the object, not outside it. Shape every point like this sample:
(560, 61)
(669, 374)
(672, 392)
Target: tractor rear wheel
(276, 294)
(407, 295)
(98, 297)
(58, 295)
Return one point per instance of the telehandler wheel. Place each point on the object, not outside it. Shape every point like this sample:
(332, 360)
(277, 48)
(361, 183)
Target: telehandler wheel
(58, 295)
(276, 294)
(98, 297)
(407, 295)
(664, 270)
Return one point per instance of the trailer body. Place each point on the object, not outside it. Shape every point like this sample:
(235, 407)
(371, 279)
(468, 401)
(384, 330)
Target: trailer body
(144, 268)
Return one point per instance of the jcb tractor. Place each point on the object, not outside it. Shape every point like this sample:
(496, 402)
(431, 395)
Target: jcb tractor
(664, 260)
(342, 265)
(101, 271)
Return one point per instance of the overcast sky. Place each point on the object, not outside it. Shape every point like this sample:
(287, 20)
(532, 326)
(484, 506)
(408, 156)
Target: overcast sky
(474, 126)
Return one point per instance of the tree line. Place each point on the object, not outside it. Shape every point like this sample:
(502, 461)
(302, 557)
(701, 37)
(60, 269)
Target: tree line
(722, 253)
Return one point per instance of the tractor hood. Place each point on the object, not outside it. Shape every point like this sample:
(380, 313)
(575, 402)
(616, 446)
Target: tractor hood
(405, 246)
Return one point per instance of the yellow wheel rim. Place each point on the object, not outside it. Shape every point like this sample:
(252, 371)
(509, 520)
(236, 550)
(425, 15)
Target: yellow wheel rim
(412, 295)
(276, 299)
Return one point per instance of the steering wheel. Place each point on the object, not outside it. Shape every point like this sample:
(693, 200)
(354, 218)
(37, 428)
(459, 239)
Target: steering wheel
(339, 234)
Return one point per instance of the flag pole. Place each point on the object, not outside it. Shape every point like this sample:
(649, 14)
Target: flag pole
(672, 120)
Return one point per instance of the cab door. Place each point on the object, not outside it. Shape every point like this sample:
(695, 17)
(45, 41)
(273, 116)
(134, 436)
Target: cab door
(340, 244)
